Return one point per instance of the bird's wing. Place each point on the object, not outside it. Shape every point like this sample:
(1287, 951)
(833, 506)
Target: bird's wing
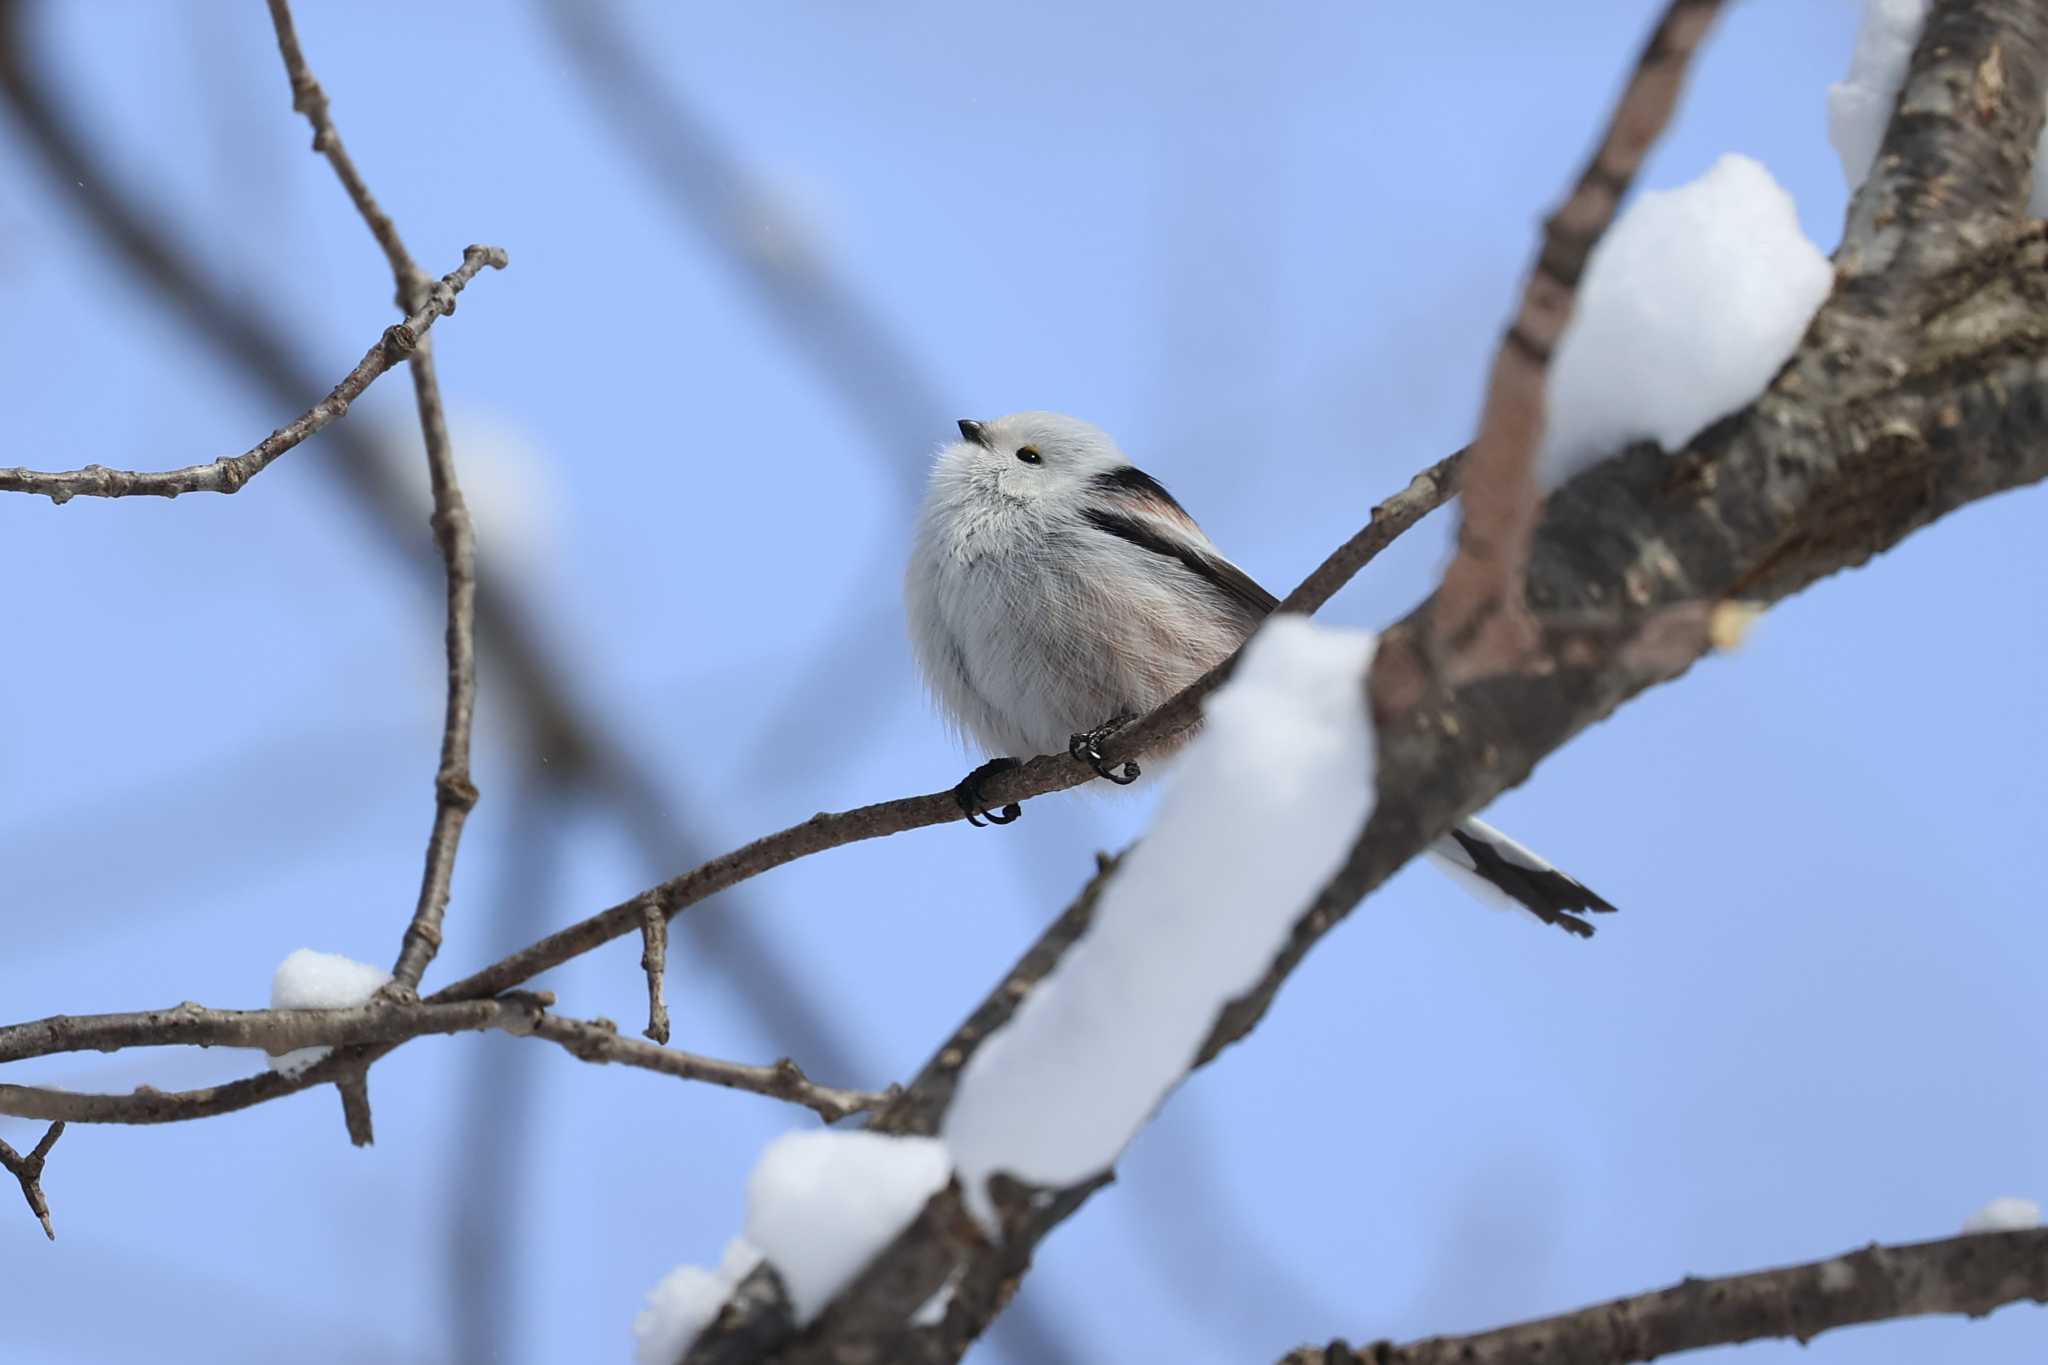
(1133, 506)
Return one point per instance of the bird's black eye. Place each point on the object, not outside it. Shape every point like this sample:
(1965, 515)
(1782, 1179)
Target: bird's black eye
(1030, 455)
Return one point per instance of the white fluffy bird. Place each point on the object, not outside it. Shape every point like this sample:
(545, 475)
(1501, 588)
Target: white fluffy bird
(1057, 592)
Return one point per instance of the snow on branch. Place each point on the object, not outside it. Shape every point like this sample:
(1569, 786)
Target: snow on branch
(1262, 809)
(1480, 614)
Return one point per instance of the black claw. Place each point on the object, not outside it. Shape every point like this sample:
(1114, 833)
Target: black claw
(968, 794)
(1087, 746)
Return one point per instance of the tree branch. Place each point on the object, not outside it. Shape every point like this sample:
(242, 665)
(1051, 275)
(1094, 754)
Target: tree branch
(379, 1023)
(599, 1041)
(1971, 1274)
(229, 473)
(579, 754)
(1480, 617)
(273, 1031)
(455, 794)
(28, 1170)
(1957, 161)
(1868, 433)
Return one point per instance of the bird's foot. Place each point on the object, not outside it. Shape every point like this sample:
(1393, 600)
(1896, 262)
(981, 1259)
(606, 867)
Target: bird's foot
(1087, 746)
(968, 794)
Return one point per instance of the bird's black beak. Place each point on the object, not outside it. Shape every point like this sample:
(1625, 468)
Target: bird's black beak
(970, 430)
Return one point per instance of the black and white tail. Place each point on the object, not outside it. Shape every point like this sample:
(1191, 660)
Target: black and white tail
(1495, 867)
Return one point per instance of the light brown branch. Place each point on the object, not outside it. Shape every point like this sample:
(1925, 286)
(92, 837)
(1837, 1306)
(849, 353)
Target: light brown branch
(1481, 621)
(28, 1170)
(379, 1024)
(455, 795)
(599, 1041)
(273, 1031)
(309, 99)
(229, 473)
(654, 962)
(1971, 1274)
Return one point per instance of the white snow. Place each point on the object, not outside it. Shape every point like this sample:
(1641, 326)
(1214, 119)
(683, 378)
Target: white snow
(2005, 1214)
(821, 1204)
(685, 1302)
(309, 980)
(1264, 806)
(1689, 305)
(1860, 104)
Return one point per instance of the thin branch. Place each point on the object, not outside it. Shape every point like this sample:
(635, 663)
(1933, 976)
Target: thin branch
(1480, 613)
(354, 1089)
(381, 1024)
(455, 795)
(580, 755)
(599, 1041)
(228, 474)
(1971, 1274)
(28, 1170)
(309, 99)
(654, 962)
(273, 1031)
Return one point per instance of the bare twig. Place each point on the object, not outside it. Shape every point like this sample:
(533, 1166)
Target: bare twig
(354, 1089)
(599, 1041)
(1480, 614)
(309, 99)
(273, 1031)
(381, 1025)
(1970, 1274)
(29, 1171)
(580, 755)
(654, 962)
(454, 793)
(228, 474)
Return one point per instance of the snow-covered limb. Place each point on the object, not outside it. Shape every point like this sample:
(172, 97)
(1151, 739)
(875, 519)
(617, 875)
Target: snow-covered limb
(820, 1205)
(28, 1173)
(1690, 304)
(684, 1302)
(312, 980)
(1899, 405)
(1860, 104)
(1480, 623)
(2007, 1213)
(1263, 807)
(1970, 1275)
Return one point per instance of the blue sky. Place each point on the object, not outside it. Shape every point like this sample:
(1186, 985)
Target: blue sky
(1271, 252)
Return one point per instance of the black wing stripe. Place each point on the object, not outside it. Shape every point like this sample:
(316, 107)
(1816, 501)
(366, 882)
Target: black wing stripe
(1131, 479)
(1228, 581)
